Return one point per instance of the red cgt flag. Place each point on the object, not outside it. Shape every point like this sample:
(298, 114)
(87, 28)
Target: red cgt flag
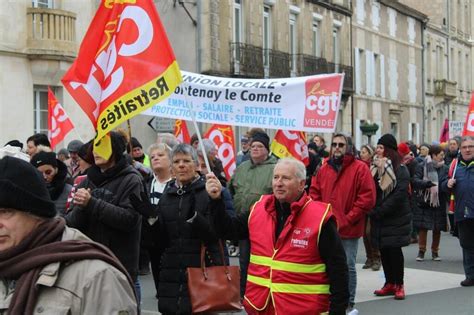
(181, 131)
(223, 137)
(124, 66)
(444, 136)
(290, 144)
(59, 123)
(469, 124)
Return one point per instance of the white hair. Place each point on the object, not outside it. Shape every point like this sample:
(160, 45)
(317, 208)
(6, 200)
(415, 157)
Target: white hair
(299, 166)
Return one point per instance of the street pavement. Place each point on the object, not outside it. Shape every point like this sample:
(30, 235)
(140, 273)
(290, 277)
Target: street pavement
(431, 287)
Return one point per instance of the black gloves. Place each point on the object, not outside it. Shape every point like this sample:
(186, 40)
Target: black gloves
(143, 206)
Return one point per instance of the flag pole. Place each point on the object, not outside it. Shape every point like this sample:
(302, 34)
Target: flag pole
(130, 136)
(198, 133)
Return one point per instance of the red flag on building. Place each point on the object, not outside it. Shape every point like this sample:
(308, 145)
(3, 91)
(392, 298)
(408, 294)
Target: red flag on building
(444, 135)
(124, 66)
(469, 124)
(290, 144)
(223, 137)
(59, 123)
(181, 131)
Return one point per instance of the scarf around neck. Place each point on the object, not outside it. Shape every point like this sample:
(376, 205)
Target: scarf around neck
(431, 195)
(382, 170)
(40, 248)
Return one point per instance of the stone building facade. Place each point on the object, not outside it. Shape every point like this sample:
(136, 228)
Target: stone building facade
(388, 69)
(448, 62)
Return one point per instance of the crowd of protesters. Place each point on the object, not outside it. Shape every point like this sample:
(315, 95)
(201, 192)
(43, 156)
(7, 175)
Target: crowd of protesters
(150, 211)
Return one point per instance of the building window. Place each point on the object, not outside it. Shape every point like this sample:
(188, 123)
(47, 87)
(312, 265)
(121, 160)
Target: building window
(316, 40)
(237, 32)
(394, 129)
(40, 99)
(48, 4)
(267, 35)
(293, 43)
(336, 46)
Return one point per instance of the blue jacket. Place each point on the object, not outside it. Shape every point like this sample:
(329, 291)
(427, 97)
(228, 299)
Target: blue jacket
(463, 191)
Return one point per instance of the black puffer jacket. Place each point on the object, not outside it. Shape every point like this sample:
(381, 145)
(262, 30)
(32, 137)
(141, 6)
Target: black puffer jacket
(109, 218)
(391, 217)
(183, 242)
(425, 216)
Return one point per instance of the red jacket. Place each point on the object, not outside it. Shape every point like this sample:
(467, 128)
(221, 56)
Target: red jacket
(351, 192)
(287, 275)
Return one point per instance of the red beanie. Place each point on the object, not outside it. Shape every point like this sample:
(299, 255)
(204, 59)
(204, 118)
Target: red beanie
(403, 149)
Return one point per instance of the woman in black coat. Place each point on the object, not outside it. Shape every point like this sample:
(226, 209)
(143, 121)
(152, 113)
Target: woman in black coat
(391, 217)
(430, 208)
(184, 223)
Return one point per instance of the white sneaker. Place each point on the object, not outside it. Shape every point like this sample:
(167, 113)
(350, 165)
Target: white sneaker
(352, 311)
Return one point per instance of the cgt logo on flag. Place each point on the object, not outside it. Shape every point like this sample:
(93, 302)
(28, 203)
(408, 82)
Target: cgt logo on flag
(470, 123)
(59, 124)
(223, 137)
(322, 102)
(125, 65)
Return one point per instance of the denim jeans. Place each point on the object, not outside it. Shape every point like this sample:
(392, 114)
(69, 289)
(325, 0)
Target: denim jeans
(350, 247)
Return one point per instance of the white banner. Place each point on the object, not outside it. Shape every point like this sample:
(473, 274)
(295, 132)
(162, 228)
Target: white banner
(302, 103)
(455, 128)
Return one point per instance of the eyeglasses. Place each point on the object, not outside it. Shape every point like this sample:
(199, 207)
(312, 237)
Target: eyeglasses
(338, 144)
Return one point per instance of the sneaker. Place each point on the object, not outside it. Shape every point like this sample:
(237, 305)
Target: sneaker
(467, 282)
(387, 289)
(368, 264)
(421, 256)
(376, 265)
(399, 292)
(235, 251)
(435, 257)
(352, 311)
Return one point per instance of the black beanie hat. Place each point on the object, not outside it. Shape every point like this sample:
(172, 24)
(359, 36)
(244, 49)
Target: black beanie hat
(262, 138)
(85, 152)
(136, 143)
(23, 188)
(389, 141)
(44, 158)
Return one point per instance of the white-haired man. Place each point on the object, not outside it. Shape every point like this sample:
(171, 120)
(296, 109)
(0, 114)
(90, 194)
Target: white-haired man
(297, 262)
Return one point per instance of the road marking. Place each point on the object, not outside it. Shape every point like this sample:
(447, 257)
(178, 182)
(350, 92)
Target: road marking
(416, 281)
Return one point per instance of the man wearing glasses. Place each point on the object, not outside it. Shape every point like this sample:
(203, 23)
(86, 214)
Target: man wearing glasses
(462, 185)
(346, 183)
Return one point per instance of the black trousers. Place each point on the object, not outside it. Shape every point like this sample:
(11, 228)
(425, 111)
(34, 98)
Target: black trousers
(393, 264)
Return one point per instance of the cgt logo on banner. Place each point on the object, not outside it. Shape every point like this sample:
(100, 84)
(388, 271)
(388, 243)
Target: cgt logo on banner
(223, 137)
(322, 102)
(125, 65)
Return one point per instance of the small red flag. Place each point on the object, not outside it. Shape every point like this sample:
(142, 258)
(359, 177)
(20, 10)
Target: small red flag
(469, 124)
(223, 137)
(290, 144)
(59, 124)
(444, 136)
(181, 131)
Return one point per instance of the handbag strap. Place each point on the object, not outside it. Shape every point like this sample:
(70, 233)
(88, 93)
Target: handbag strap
(203, 261)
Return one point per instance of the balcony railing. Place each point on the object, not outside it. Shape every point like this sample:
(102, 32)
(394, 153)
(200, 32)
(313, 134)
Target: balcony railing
(246, 60)
(310, 65)
(279, 64)
(348, 85)
(51, 32)
(446, 89)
